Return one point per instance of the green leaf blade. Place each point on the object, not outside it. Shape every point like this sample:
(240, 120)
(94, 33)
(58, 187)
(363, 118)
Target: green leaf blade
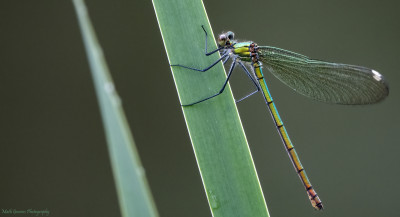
(217, 136)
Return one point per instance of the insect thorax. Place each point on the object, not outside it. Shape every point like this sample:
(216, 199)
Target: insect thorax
(246, 51)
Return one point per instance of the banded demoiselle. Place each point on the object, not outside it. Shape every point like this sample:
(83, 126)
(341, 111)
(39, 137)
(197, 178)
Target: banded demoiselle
(322, 81)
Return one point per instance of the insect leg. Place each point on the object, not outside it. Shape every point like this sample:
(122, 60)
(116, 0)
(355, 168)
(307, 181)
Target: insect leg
(252, 79)
(223, 87)
(207, 68)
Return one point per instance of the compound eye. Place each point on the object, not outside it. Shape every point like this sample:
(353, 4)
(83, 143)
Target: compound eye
(231, 35)
(222, 39)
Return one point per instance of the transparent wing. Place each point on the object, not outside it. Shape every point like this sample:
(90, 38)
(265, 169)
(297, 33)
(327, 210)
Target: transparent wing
(324, 81)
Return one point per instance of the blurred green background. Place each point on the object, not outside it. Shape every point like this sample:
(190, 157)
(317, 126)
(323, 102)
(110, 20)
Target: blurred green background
(53, 150)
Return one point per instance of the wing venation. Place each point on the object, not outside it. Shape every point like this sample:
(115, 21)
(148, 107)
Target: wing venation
(323, 81)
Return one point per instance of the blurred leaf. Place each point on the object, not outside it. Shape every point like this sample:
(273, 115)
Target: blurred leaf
(133, 192)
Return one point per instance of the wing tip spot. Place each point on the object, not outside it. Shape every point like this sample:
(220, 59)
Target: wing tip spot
(376, 75)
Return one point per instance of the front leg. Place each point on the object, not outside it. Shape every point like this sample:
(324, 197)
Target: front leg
(205, 50)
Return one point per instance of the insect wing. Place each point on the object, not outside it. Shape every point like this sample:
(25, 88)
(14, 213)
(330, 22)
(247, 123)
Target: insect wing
(323, 81)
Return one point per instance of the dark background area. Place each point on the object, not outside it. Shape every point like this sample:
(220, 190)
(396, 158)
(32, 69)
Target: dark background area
(53, 150)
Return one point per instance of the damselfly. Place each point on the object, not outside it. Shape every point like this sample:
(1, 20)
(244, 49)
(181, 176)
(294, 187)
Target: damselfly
(322, 81)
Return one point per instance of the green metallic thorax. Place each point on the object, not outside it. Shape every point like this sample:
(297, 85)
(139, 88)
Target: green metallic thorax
(243, 50)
